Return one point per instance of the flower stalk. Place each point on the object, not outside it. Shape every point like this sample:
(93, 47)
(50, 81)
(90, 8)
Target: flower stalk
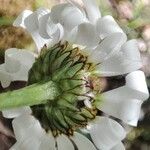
(31, 95)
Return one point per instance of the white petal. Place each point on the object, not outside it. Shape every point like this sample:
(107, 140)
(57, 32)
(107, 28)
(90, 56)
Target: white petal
(72, 17)
(5, 83)
(5, 77)
(27, 126)
(32, 26)
(55, 32)
(32, 21)
(12, 113)
(44, 23)
(130, 111)
(21, 75)
(57, 10)
(106, 133)
(51, 28)
(39, 41)
(41, 12)
(82, 143)
(92, 10)
(78, 4)
(64, 143)
(108, 47)
(137, 81)
(106, 26)
(19, 22)
(12, 65)
(125, 102)
(125, 61)
(18, 62)
(119, 146)
(29, 143)
(43, 26)
(86, 35)
(47, 28)
(60, 31)
(26, 58)
(70, 36)
(67, 15)
(47, 142)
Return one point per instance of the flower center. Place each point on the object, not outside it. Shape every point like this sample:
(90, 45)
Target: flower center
(70, 71)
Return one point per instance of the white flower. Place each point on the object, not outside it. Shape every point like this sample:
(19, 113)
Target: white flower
(30, 135)
(16, 66)
(38, 23)
(107, 47)
(86, 27)
(49, 27)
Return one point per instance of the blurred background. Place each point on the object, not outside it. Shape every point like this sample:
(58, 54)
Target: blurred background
(132, 15)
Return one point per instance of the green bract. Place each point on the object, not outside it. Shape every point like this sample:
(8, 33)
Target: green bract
(58, 85)
(67, 68)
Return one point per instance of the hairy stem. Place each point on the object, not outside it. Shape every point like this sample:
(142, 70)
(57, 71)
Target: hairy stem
(35, 94)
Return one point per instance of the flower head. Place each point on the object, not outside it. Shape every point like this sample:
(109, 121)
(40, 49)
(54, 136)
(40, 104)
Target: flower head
(61, 89)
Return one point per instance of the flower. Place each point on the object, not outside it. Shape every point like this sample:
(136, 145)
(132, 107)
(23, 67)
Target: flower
(49, 27)
(16, 66)
(34, 22)
(60, 83)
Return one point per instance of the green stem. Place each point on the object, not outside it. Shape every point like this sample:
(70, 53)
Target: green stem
(35, 94)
